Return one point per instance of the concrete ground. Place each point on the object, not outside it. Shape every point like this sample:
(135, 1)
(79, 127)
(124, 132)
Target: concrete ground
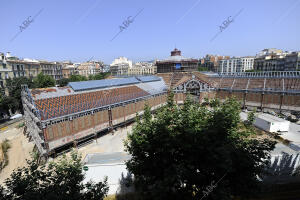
(293, 134)
(9, 132)
(109, 143)
(106, 157)
(111, 165)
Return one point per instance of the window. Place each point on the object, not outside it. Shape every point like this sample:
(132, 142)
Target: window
(1, 84)
(4, 65)
(6, 75)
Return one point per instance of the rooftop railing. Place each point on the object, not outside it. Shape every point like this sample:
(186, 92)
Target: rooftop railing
(266, 74)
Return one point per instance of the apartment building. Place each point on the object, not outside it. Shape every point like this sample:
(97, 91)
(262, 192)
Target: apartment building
(5, 70)
(32, 68)
(120, 66)
(292, 62)
(69, 69)
(53, 69)
(234, 65)
(90, 68)
(211, 62)
(142, 68)
(270, 51)
(277, 60)
(269, 63)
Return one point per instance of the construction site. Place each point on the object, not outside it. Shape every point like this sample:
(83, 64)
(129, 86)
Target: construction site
(62, 117)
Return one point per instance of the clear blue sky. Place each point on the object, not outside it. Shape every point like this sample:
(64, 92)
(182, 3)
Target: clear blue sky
(76, 30)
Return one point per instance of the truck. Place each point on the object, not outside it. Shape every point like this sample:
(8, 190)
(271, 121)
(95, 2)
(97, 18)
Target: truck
(271, 123)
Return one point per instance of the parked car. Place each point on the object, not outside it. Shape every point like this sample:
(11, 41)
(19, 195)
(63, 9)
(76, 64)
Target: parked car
(16, 116)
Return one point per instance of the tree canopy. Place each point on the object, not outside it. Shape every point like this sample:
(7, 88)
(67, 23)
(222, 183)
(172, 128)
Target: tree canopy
(182, 150)
(44, 81)
(63, 82)
(57, 180)
(98, 76)
(77, 77)
(13, 101)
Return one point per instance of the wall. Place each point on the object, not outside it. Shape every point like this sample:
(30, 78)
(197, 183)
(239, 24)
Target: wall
(65, 132)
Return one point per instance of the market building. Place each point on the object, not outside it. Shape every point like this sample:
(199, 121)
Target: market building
(61, 117)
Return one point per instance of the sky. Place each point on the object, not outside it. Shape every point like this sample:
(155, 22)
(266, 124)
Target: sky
(79, 30)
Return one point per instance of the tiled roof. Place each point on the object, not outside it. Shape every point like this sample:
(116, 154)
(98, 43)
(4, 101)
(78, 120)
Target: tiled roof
(42, 93)
(182, 80)
(166, 77)
(63, 105)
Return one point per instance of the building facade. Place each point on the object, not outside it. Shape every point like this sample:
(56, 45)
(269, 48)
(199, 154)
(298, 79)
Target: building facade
(292, 62)
(120, 66)
(268, 60)
(5, 70)
(142, 68)
(211, 62)
(176, 63)
(269, 63)
(18, 68)
(32, 68)
(270, 51)
(11, 67)
(90, 68)
(53, 69)
(234, 65)
(68, 69)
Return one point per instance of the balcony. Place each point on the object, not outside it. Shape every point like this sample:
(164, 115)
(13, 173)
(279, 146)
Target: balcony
(5, 70)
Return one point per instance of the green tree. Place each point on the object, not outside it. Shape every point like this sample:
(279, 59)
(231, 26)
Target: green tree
(98, 76)
(250, 118)
(63, 82)
(10, 103)
(13, 101)
(201, 68)
(77, 77)
(57, 180)
(44, 81)
(91, 77)
(182, 150)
